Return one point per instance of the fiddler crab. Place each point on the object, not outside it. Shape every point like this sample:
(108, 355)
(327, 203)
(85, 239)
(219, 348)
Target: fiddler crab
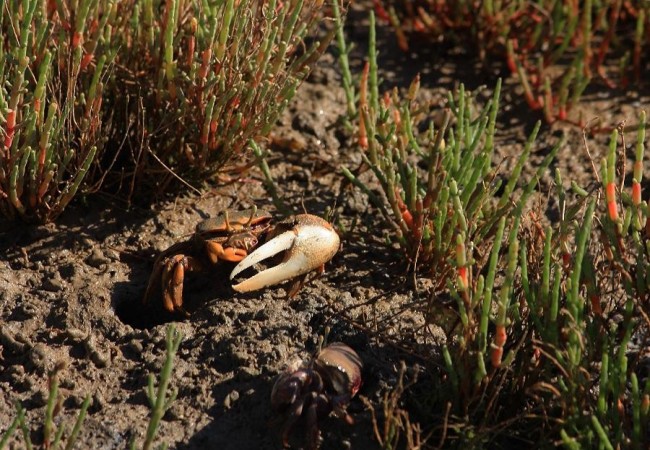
(307, 240)
(312, 390)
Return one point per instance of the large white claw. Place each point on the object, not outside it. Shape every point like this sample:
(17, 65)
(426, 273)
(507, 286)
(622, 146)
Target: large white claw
(309, 245)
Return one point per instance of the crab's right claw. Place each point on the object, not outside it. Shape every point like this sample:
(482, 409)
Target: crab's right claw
(309, 244)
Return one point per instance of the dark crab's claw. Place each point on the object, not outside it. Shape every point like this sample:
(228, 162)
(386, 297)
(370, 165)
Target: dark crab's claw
(309, 242)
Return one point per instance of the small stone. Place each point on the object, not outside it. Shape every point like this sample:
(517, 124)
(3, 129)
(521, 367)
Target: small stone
(230, 399)
(97, 259)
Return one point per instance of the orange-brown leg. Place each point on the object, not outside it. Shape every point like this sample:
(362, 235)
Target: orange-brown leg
(173, 274)
(158, 266)
(216, 252)
(302, 280)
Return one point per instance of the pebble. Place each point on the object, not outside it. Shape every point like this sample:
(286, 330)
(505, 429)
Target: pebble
(97, 259)
(230, 399)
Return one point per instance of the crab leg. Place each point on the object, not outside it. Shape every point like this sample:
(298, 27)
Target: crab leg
(173, 274)
(309, 245)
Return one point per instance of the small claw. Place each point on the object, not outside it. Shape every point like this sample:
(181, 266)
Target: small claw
(216, 253)
(309, 245)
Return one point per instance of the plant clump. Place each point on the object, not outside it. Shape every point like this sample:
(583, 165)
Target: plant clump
(555, 48)
(115, 95)
(438, 183)
(53, 65)
(542, 348)
(205, 79)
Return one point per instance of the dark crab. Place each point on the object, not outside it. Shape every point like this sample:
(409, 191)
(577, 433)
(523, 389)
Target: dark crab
(309, 242)
(313, 390)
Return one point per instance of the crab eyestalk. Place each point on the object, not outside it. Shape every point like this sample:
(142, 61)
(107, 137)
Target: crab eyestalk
(309, 242)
